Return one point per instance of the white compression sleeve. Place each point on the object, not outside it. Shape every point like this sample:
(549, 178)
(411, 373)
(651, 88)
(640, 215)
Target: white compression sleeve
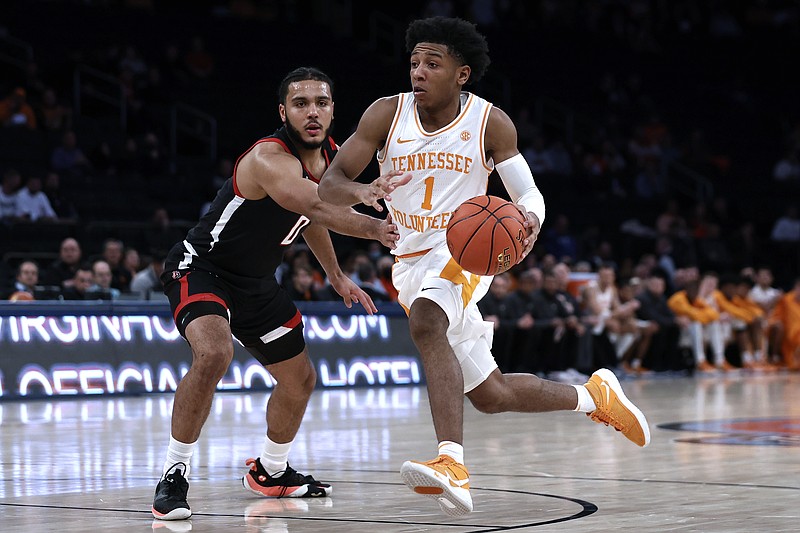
(518, 179)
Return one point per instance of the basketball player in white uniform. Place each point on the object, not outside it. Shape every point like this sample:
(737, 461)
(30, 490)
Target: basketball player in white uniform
(436, 147)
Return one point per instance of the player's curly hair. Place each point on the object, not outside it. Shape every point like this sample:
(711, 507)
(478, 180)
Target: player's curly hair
(461, 38)
(302, 74)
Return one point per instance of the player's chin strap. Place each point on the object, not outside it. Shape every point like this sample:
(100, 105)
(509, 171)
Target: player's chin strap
(518, 179)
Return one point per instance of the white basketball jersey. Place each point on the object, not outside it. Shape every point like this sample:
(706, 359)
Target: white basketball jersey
(448, 167)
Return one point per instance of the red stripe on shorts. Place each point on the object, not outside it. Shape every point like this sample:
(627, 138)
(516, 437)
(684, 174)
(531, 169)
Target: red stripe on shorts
(201, 297)
(294, 321)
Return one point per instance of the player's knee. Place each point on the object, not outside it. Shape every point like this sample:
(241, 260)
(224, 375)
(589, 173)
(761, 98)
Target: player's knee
(426, 321)
(310, 380)
(212, 364)
(487, 405)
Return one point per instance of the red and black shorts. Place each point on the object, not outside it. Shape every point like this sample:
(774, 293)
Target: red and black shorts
(264, 320)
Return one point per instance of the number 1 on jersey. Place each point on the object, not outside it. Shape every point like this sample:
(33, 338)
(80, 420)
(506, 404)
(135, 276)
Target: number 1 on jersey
(426, 202)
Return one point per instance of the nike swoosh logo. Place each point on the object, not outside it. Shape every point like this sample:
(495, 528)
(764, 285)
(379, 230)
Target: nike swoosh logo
(428, 288)
(403, 141)
(455, 482)
(608, 392)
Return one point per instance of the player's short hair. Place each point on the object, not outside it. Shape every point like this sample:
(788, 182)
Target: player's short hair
(461, 38)
(302, 74)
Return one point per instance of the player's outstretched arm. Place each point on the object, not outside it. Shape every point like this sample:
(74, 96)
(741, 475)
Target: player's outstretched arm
(319, 240)
(337, 185)
(280, 177)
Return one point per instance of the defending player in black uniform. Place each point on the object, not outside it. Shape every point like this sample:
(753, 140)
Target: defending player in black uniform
(220, 280)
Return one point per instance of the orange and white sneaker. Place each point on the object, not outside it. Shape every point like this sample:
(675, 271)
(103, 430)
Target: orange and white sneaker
(442, 479)
(615, 409)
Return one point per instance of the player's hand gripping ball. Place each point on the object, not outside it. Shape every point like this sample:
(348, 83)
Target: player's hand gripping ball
(485, 235)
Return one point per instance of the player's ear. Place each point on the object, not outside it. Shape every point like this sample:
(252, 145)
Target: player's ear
(463, 74)
(282, 112)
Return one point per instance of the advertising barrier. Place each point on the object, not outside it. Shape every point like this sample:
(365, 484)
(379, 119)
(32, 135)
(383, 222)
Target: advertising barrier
(57, 349)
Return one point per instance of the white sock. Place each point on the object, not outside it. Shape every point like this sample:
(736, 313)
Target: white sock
(452, 449)
(178, 452)
(585, 402)
(275, 456)
(747, 357)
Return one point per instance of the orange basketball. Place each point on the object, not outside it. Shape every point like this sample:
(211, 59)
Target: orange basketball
(485, 235)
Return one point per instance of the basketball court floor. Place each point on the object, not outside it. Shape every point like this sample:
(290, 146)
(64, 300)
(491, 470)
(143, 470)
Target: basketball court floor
(725, 456)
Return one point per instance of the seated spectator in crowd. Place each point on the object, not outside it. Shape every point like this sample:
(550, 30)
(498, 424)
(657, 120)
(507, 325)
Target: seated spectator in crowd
(101, 273)
(59, 200)
(494, 309)
(745, 321)
(787, 314)
(68, 159)
(54, 115)
(569, 288)
(767, 296)
(384, 266)
(33, 204)
(615, 328)
(519, 305)
(27, 277)
(368, 280)
(9, 196)
(113, 254)
(161, 234)
(704, 322)
(788, 168)
(557, 324)
(559, 242)
(302, 286)
(132, 261)
(148, 280)
(659, 350)
(631, 354)
(16, 112)
(62, 271)
(80, 288)
(787, 227)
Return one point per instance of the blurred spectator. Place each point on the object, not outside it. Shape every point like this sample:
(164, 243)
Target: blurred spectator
(671, 221)
(59, 200)
(62, 271)
(112, 254)
(9, 196)
(198, 61)
(704, 323)
(713, 252)
(153, 159)
(745, 322)
(787, 314)
(787, 228)
(788, 168)
(559, 159)
(148, 280)
(368, 280)
(659, 351)
(101, 274)
(519, 304)
(68, 158)
(534, 154)
(384, 266)
(494, 309)
(161, 234)
(132, 261)
(559, 242)
(650, 184)
(302, 286)
(54, 115)
(763, 293)
(27, 277)
(556, 343)
(33, 204)
(16, 112)
(81, 283)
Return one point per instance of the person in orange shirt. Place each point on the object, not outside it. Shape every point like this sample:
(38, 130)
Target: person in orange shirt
(15, 111)
(746, 322)
(787, 313)
(705, 324)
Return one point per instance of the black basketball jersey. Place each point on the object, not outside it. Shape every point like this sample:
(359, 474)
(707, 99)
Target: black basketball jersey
(238, 238)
